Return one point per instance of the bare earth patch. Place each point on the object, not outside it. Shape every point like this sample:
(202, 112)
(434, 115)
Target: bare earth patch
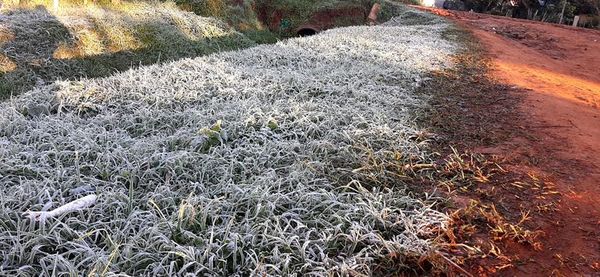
(552, 139)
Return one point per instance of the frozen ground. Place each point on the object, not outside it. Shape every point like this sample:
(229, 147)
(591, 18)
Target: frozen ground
(235, 163)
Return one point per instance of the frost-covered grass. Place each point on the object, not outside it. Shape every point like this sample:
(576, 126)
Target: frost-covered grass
(248, 162)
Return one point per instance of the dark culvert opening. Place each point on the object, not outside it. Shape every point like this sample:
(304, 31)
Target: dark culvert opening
(304, 32)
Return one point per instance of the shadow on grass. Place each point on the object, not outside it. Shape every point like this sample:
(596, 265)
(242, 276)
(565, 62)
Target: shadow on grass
(30, 39)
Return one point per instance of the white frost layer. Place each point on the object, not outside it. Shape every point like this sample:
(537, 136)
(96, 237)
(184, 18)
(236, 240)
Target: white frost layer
(253, 196)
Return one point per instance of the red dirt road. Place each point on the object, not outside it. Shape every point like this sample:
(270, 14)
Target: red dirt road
(559, 68)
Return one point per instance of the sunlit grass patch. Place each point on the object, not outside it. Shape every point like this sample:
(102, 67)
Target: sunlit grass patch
(93, 41)
(6, 65)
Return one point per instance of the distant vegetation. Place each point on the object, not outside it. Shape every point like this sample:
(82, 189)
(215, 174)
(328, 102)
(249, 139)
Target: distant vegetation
(547, 11)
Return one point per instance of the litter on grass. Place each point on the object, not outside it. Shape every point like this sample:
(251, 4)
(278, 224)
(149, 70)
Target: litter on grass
(73, 206)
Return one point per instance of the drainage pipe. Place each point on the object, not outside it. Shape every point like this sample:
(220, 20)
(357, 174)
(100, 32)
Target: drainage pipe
(307, 30)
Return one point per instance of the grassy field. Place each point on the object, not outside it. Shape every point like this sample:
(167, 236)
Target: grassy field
(302, 157)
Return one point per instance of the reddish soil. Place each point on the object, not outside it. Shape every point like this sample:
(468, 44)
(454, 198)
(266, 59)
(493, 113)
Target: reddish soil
(329, 18)
(273, 18)
(557, 70)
